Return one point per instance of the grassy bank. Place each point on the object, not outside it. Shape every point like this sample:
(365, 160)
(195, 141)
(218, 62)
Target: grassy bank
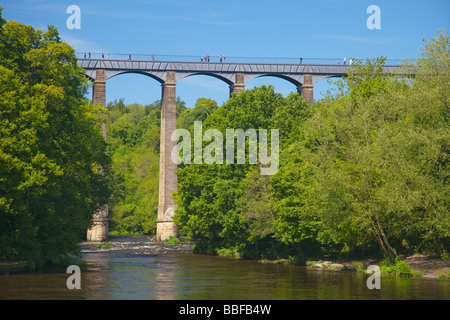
(428, 266)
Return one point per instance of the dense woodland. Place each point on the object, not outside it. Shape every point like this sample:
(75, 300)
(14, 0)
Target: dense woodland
(51, 147)
(363, 172)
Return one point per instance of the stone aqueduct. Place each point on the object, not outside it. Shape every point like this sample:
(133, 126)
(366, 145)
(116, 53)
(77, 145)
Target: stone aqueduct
(303, 76)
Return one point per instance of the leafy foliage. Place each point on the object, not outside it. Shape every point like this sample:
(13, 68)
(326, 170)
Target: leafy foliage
(229, 206)
(51, 147)
(380, 156)
(133, 145)
(363, 171)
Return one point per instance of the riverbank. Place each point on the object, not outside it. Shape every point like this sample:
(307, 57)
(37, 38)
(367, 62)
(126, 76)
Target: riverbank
(116, 244)
(427, 266)
(13, 266)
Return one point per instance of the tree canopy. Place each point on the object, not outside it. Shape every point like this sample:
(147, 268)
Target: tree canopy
(364, 170)
(52, 152)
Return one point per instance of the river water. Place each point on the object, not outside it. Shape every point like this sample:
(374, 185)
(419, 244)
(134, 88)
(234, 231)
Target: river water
(136, 268)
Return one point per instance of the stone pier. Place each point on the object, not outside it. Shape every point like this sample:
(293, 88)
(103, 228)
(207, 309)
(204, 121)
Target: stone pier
(100, 224)
(239, 85)
(165, 227)
(306, 90)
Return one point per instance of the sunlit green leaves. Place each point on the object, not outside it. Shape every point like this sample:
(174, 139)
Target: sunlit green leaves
(51, 147)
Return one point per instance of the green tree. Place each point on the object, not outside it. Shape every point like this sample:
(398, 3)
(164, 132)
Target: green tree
(379, 155)
(229, 206)
(51, 146)
(366, 168)
(133, 145)
(202, 109)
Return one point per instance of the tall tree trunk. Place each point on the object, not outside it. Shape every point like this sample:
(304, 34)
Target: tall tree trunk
(380, 241)
(390, 251)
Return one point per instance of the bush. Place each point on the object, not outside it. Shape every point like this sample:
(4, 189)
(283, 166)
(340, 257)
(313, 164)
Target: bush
(229, 252)
(172, 241)
(358, 266)
(298, 260)
(443, 276)
(397, 267)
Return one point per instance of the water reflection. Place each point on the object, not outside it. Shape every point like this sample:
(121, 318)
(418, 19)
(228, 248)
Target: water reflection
(149, 273)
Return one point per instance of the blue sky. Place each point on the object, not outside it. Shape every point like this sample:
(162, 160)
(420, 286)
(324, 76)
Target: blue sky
(319, 29)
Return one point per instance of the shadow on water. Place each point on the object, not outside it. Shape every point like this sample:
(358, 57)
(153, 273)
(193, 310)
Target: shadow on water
(136, 268)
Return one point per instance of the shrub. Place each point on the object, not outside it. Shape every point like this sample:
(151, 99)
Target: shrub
(172, 241)
(397, 267)
(358, 266)
(298, 260)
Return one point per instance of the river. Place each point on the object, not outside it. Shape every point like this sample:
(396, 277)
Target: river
(136, 268)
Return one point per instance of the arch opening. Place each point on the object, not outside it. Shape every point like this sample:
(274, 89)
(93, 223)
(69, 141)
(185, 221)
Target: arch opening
(283, 85)
(279, 76)
(120, 73)
(133, 87)
(198, 85)
(213, 75)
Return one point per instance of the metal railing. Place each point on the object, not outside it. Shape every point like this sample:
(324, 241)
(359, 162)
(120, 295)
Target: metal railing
(220, 59)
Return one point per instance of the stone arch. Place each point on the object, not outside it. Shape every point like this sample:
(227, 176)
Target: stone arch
(194, 85)
(134, 87)
(158, 77)
(298, 81)
(227, 78)
(283, 86)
